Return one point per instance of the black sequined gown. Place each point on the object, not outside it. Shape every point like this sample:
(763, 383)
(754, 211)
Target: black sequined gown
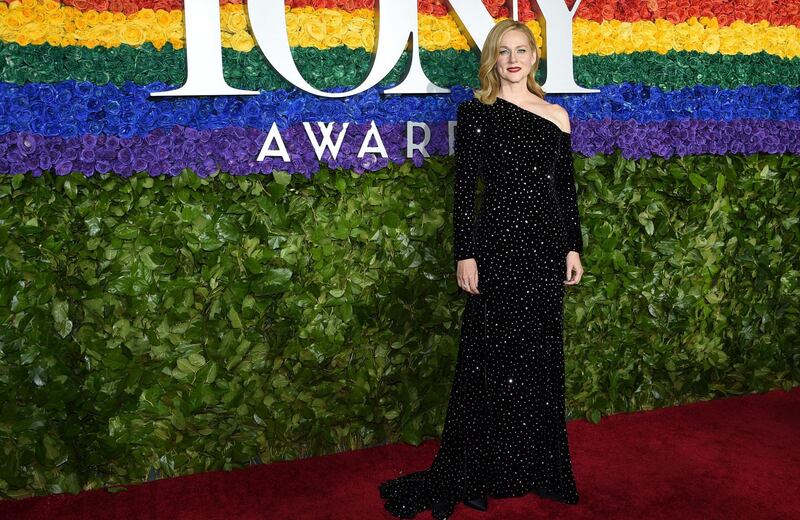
(505, 429)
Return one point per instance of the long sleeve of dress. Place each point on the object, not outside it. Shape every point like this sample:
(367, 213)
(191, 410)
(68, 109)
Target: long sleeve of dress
(468, 166)
(564, 172)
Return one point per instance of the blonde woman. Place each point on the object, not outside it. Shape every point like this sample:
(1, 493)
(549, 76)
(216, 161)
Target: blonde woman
(505, 432)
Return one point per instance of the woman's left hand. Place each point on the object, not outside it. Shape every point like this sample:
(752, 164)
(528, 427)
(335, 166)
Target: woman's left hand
(574, 268)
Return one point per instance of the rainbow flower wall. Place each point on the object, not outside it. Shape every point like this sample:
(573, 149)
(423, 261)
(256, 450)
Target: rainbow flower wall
(676, 78)
(170, 305)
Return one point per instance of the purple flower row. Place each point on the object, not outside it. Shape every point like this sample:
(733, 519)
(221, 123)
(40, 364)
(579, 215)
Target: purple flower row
(685, 137)
(234, 149)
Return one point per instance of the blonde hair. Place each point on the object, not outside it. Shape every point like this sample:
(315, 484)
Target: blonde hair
(487, 74)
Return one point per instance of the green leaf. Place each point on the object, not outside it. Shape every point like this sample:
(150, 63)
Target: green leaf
(228, 229)
(186, 366)
(70, 189)
(60, 312)
(282, 178)
(212, 373)
(17, 180)
(391, 219)
(275, 281)
(697, 180)
(126, 231)
(346, 310)
(233, 316)
(720, 182)
(279, 381)
(178, 420)
(94, 225)
(197, 360)
(210, 243)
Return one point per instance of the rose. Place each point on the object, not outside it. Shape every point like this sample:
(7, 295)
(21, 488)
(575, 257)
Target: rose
(27, 143)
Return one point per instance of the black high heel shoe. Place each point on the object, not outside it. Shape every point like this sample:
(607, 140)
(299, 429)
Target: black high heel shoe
(480, 503)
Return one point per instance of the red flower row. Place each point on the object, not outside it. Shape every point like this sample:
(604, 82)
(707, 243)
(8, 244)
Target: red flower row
(776, 12)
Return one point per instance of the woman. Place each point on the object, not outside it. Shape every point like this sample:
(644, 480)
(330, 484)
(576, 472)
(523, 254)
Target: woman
(505, 431)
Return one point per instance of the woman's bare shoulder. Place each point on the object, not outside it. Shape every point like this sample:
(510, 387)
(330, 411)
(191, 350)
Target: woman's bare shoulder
(561, 116)
(553, 111)
(557, 113)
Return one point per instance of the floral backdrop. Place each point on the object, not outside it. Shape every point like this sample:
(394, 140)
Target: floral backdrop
(167, 308)
(676, 78)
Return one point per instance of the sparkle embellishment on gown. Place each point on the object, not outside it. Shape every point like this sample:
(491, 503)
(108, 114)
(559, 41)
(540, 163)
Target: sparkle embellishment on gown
(505, 429)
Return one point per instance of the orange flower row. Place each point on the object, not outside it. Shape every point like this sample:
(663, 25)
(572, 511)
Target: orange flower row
(34, 22)
(776, 12)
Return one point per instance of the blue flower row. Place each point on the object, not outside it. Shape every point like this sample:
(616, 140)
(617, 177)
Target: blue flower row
(70, 108)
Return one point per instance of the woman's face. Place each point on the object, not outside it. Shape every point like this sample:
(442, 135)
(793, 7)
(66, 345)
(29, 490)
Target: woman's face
(515, 57)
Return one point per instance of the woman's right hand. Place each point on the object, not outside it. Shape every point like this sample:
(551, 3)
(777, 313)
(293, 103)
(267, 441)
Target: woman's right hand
(467, 275)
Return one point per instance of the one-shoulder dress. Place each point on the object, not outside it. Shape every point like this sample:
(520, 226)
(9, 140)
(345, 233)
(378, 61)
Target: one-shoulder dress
(505, 427)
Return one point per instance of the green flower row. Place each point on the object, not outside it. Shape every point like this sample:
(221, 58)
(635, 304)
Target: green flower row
(342, 66)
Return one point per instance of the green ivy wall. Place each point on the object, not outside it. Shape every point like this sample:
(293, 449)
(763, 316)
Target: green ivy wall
(164, 326)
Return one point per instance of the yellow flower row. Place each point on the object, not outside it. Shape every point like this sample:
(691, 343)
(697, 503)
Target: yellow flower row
(33, 22)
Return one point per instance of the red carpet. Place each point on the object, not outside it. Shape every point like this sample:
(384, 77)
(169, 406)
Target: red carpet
(732, 458)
